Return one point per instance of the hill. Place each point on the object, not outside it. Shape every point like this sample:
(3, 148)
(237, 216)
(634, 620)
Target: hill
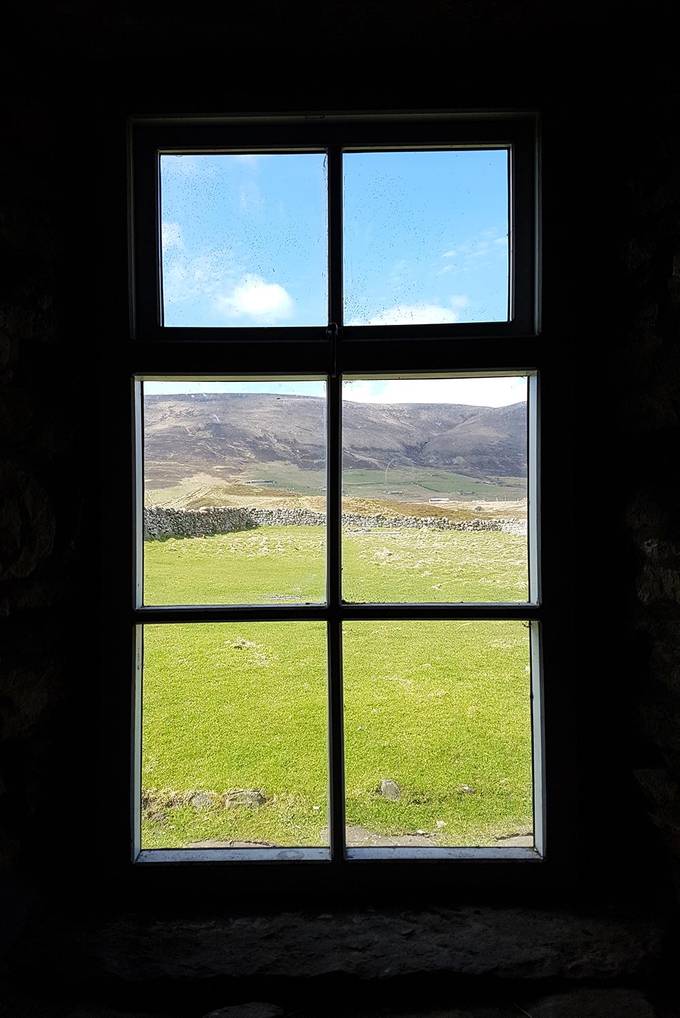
(271, 438)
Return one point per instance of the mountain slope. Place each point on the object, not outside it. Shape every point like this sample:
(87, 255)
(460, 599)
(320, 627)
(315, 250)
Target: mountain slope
(233, 432)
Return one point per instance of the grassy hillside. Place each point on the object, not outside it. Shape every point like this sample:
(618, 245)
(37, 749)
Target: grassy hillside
(283, 438)
(406, 484)
(403, 488)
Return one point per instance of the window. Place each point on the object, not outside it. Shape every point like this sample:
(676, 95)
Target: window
(336, 609)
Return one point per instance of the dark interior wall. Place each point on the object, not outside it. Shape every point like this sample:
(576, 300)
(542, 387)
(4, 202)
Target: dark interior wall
(609, 100)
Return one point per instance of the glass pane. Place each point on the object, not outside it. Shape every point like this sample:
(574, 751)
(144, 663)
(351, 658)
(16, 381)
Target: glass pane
(435, 490)
(234, 492)
(426, 237)
(234, 741)
(438, 733)
(244, 239)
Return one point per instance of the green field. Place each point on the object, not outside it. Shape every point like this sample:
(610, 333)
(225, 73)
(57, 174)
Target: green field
(411, 483)
(442, 708)
(287, 565)
(398, 484)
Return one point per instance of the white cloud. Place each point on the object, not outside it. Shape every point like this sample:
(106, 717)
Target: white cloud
(250, 197)
(417, 314)
(186, 166)
(253, 297)
(216, 280)
(203, 276)
(487, 243)
(494, 392)
(171, 236)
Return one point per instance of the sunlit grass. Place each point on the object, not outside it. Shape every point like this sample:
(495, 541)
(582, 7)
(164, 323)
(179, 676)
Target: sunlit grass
(438, 707)
(419, 564)
(265, 565)
(443, 709)
(288, 564)
(235, 705)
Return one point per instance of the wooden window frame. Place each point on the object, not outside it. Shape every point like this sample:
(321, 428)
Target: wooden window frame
(334, 351)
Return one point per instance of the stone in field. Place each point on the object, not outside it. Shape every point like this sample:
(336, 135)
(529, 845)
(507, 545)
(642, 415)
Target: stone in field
(157, 816)
(389, 789)
(204, 800)
(251, 797)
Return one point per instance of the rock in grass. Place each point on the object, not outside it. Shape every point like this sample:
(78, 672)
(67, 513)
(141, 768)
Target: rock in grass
(204, 800)
(466, 789)
(251, 797)
(389, 789)
(157, 816)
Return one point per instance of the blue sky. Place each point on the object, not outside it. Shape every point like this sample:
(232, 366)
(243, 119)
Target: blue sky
(244, 238)
(425, 240)
(470, 391)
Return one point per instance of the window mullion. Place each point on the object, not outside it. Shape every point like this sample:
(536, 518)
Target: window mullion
(335, 280)
(334, 511)
(335, 696)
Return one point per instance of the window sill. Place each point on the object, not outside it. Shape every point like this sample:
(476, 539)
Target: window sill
(296, 855)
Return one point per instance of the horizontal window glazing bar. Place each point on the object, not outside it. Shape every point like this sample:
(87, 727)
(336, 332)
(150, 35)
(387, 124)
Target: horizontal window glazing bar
(346, 612)
(449, 131)
(347, 333)
(237, 334)
(208, 856)
(297, 358)
(399, 853)
(170, 856)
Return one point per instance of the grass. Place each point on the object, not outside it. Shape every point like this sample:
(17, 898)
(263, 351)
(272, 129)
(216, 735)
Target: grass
(397, 484)
(236, 706)
(438, 707)
(287, 564)
(434, 565)
(417, 483)
(265, 565)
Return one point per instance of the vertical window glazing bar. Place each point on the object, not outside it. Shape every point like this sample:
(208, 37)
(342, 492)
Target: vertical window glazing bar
(512, 219)
(335, 697)
(138, 495)
(533, 479)
(335, 282)
(537, 736)
(334, 510)
(136, 742)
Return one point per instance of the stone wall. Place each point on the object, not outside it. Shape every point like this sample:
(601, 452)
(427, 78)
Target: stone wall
(161, 522)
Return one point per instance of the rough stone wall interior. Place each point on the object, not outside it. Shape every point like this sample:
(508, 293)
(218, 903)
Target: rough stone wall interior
(41, 472)
(50, 439)
(649, 379)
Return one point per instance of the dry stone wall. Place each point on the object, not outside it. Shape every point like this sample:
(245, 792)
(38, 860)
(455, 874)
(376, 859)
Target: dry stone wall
(161, 522)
